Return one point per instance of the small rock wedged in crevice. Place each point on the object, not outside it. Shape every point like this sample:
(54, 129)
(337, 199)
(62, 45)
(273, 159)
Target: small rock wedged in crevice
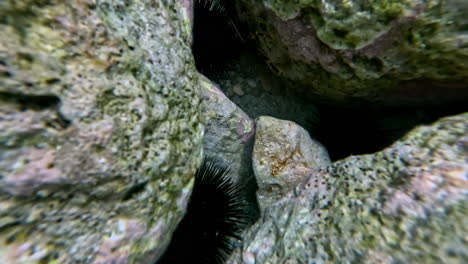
(344, 130)
(284, 156)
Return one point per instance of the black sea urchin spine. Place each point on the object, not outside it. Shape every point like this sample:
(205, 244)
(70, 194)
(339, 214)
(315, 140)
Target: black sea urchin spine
(216, 216)
(213, 5)
(222, 7)
(217, 38)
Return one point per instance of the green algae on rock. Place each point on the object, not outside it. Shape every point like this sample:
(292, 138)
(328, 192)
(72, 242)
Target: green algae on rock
(101, 129)
(406, 204)
(396, 52)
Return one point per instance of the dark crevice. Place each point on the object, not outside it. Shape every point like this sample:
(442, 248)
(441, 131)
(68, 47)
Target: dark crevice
(365, 130)
(344, 130)
(215, 218)
(44, 102)
(217, 37)
(8, 225)
(134, 190)
(28, 101)
(59, 121)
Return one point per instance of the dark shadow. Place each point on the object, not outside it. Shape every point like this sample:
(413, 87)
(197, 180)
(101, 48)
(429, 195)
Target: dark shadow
(364, 130)
(216, 36)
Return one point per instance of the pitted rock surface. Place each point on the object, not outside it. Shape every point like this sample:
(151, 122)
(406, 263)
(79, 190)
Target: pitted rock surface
(101, 129)
(405, 204)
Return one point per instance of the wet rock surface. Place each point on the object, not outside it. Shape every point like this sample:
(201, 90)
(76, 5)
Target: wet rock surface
(284, 156)
(405, 204)
(100, 129)
(398, 53)
(229, 132)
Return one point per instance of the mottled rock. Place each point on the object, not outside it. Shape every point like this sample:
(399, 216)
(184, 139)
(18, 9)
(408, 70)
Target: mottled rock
(228, 132)
(284, 155)
(396, 52)
(405, 204)
(101, 129)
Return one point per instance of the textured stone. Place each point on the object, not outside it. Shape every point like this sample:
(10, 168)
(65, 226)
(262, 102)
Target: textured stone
(396, 52)
(405, 204)
(228, 132)
(100, 129)
(284, 155)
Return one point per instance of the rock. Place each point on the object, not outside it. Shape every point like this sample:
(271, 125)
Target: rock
(400, 53)
(284, 155)
(405, 204)
(101, 130)
(228, 133)
(238, 90)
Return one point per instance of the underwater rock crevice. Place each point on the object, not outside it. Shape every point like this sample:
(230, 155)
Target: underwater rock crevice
(29, 101)
(344, 128)
(369, 129)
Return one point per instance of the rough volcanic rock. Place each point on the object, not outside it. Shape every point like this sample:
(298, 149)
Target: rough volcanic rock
(284, 155)
(406, 204)
(396, 52)
(100, 129)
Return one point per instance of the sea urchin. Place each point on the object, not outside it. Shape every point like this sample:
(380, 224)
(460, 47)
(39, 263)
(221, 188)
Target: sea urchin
(216, 215)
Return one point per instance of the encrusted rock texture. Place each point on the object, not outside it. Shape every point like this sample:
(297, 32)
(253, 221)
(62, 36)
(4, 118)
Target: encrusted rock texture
(405, 204)
(393, 52)
(284, 155)
(101, 129)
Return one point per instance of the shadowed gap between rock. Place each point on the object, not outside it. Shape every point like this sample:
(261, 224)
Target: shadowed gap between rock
(217, 36)
(43, 102)
(343, 130)
(365, 130)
